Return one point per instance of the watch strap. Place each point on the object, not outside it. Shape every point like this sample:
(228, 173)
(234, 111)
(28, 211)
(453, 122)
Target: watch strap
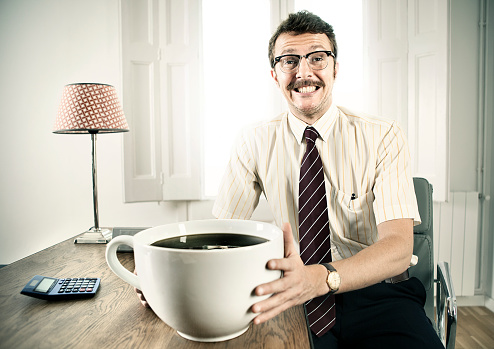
(329, 267)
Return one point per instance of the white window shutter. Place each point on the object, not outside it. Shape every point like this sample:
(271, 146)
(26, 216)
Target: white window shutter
(141, 100)
(428, 92)
(386, 46)
(181, 98)
(407, 79)
(162, 84)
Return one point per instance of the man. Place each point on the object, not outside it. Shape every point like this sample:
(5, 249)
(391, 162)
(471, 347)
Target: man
(371, 206)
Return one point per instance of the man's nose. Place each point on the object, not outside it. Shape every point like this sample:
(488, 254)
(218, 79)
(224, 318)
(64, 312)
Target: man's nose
(304, 69)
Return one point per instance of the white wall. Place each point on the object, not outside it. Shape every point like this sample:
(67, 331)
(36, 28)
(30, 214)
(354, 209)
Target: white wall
(489, 260)
(464, 100)
(45, 179)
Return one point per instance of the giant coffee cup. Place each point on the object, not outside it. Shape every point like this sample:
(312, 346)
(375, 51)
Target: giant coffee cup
(199, 276)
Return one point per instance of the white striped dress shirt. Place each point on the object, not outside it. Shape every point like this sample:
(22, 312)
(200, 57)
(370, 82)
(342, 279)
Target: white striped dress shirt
(366, 167)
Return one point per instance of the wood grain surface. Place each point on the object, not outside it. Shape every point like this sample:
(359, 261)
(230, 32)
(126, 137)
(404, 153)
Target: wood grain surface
(475, 328)
(113, 318)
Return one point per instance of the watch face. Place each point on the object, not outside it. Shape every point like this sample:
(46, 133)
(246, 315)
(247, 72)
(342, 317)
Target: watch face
(334, 281)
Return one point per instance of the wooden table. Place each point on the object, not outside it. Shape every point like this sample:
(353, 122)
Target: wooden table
(114, 318)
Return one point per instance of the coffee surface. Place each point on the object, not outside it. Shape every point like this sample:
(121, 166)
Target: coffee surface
(213, 241)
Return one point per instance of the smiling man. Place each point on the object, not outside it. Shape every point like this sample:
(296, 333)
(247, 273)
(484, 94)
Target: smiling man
(307, 85)
(340, 185)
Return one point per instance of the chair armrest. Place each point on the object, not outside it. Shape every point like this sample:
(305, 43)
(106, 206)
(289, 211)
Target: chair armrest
(446, 308)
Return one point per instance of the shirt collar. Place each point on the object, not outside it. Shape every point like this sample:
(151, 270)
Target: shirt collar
(322, 125)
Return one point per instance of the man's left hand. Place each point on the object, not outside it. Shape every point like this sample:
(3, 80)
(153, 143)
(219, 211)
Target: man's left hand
(298, 284)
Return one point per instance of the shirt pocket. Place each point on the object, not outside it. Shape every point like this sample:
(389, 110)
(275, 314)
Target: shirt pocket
(352, 219)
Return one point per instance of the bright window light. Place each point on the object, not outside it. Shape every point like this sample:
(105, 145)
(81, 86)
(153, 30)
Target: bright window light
(346, 19)
(238, 88)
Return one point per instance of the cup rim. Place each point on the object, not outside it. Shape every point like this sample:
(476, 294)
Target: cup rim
(270, 232)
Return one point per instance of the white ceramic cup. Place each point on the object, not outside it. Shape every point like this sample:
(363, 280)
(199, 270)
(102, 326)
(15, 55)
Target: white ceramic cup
(206, 295)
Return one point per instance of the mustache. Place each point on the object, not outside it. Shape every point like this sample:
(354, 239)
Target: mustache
(306, 82)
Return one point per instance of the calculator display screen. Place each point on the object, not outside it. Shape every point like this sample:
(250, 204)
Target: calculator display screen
(45, 285)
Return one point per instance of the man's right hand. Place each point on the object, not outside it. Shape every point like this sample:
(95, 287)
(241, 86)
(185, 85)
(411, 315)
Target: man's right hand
(140, 295)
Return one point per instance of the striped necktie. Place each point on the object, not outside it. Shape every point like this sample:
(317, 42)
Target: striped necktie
(314, 230)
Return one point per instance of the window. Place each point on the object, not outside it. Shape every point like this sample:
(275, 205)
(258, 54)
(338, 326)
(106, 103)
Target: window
(346, 19)
(238, 88)
(196, 72)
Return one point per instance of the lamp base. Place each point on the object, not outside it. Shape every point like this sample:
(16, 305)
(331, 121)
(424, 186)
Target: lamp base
(94, 236)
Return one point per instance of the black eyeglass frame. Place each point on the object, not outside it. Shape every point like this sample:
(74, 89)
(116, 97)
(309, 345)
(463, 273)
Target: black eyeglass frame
(328, 52)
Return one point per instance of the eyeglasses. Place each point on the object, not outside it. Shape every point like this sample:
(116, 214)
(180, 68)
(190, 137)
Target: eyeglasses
(317, 60)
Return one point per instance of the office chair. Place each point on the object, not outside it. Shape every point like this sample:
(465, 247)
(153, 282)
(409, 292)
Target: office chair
(444, 318)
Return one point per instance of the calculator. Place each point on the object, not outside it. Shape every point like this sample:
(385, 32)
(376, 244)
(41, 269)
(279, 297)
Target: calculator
(66, 288)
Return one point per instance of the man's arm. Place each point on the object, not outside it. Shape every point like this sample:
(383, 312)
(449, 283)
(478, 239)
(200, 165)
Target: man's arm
(388, 257)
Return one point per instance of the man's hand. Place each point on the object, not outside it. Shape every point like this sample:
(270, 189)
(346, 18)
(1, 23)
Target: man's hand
(298, 284)
(141, 297)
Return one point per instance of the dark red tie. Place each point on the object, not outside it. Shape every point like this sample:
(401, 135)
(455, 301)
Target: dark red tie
(314, 233)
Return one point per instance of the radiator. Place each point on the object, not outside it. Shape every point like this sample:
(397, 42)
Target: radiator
(455, 238)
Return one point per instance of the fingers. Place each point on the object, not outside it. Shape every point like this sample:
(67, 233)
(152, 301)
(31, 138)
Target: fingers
(274, 305)
(140, 295)
(292, 289)
(284, 264)
(271, 313)
(272, 287)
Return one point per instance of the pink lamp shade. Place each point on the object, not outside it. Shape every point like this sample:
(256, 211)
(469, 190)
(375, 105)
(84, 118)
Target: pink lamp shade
(90, 108)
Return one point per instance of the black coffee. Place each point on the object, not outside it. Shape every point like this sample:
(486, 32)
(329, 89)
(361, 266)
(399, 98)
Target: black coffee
(212, 241)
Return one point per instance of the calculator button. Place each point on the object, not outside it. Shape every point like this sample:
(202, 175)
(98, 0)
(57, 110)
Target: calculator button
(89, 289)
(75, 290)
(82, 289)
(61, 290)
(61, 281)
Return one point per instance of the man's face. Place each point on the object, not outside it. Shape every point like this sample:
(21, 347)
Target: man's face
(308, 92)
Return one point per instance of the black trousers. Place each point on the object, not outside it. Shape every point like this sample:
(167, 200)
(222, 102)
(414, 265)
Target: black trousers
(381, 316)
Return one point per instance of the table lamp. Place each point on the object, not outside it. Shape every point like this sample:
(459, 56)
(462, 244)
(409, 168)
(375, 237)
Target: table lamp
(91, 108)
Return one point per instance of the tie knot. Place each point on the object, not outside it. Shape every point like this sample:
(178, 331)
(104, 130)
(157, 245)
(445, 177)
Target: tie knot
(311, 134)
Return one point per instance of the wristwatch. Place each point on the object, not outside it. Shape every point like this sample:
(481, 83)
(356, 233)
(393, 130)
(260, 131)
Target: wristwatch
(333, 279)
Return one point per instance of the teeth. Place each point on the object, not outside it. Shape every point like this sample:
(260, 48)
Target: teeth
(307, 89)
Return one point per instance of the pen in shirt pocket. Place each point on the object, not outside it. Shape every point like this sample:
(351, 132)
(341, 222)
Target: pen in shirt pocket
(354, 196)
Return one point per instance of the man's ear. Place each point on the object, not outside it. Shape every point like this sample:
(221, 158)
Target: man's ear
(275, 77)
(336, 69)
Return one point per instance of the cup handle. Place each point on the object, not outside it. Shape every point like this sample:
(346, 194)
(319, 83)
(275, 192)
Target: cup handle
(114, 263)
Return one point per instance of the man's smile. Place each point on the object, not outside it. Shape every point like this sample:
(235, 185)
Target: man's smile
(305, 86)
(306, 89)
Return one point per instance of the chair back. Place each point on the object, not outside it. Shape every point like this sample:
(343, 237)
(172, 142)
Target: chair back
(423, 246)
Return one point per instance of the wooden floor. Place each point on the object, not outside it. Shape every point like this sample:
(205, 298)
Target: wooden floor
(475, 328)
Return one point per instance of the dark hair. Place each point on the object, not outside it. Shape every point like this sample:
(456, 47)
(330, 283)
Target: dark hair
(300, 23)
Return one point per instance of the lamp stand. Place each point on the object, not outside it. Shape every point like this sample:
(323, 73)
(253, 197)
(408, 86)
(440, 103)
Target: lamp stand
(95, 235)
